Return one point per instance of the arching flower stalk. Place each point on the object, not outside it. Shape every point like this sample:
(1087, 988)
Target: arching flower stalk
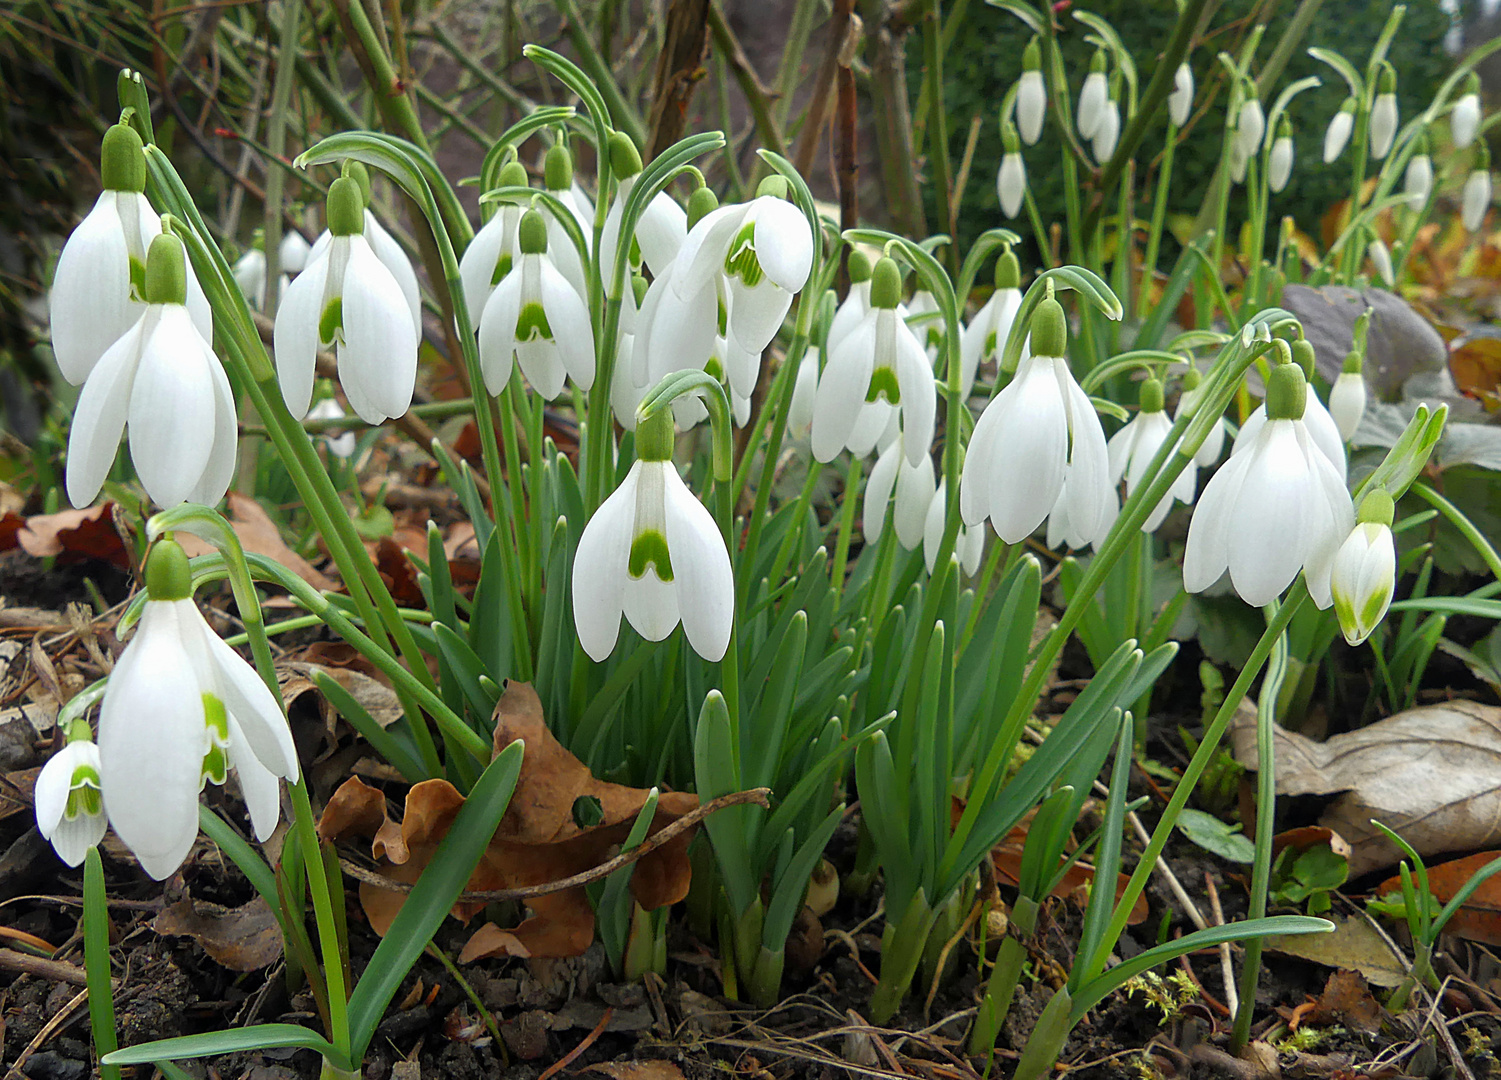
(1214, 443)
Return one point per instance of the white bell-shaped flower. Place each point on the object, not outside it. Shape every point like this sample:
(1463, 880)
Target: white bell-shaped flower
(1347, 398)
(1180, 101)
(1323, 432)
(1031, 95)
(1250, 127)
(1464, 121)
(493, 252)
(653, 553)
(348, 300)
(984, 339)
(628, 381)
(99, 286)
(1132, 448)
(969, 546)
(926, 321)
(343, 444)
(1417, 181)
(381, 243)
(1381, 259)
(557, 172)
(1061, 532)
(804, 392)
(856, 302)
(660, 230)
(293, 252)
(535, 317)
(914, 486)
(763, 249)
(1337, 136)
(182, 708)
(1476, 200)
(1108, 133)
(881, 357)
(162, 383)
(1384, 116)
(69, 807)
(1364, 575)
(250, 275)
(1040, 430)
(1092, 97)
(1274, 510)
(1011, 180)
(1214, 443)
(1279, 166)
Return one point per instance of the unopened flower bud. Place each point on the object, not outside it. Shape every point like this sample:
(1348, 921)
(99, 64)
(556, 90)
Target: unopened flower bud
(1364, 573)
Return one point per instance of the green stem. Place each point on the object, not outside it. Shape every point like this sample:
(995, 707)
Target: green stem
(96, 961)
(1159, 218)
(324, 918)
(846, 526)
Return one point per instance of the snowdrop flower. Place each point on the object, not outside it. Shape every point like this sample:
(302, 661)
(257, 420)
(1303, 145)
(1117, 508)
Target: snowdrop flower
(1323, 432)
(653, 553)
(804, 391)
(1464, 121)
(182, 708)
(1132, 448)
(1181, 100)
(557, 172)
(348, 300)
(764, 251)
(163, 384)
(250, 276)
(1031, 95)
(1011, 180)
(1476, 200)
(1364, 574)
(1038, 432)
(1417, 182)
(659, 231)
(1381, 259)
(69, 808)
(1209, 450)
(985, 337)
(1347, 397)
(1384, 116)
(340, 446)
(1108, 133)
(1250, 126)
(1279, 167)
(535, 316)
(927, 321)
(1092, 97)
(1337, 137)
(293, 252)
(493, 251)
(1272, 511)
(384, 247)
(99, 287)
(969, 546)
(1061, 532)
(856, 302)
(880, 357)
(914, 486)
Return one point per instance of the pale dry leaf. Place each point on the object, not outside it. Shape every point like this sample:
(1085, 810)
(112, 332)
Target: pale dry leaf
(242, 939)
(1432, 775)
(1354, 945)
(259, 536)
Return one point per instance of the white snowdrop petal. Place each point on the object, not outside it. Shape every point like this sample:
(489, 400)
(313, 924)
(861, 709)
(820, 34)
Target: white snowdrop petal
(1270, 519)
(1337, 136)
(219, 470)
(1206, 555)
(54, 783)
(703, 579)
(1031, 106)
(841, 390)
(295, 338)
(915, 487)
(703, 251)
(919, 394)
(497, 333)
(378, 360)
(979, 461)
(1011, 184)
(756, 313)
(568, 316)
(171, 417)
(90, 304)
(258, 785)
(878, 488)
(480, 260)
(600, 566)
(99, 418)
(660, 232)
(1030, 452)
(246, 698)
(391, 255)
(784, 245)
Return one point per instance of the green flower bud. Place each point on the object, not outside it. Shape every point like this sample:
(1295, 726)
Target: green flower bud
(1388, 84)
(1354, 364)
(168, 576)
(122, 160)
(1151, 395)
(1303, 356)
(1032, 56)
(1097, 62)
(625, 159)
(512, 174)
(1192, 378)
(346, 207)
(774, 185)
(859, 265)
(557, 169)
(1286, 392)
(166, 271)
(1008, 271)
(701, 204)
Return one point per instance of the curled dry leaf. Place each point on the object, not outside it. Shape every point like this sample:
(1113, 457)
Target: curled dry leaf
(1479, 917)
(1432, 775)
(537, 842)
(71, 535)
(242, 939)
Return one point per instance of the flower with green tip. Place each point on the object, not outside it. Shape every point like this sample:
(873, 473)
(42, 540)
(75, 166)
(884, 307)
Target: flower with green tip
(660, 229)
(652, 553)
(348, 300)
(1347, 398)
(382, 244)
(181, 709)
(162, 385)
(856, 302)
(1322, 430)
(1031, 95)
(1384, 116)
(1337, 136)
(1464, 120)
(1108, 132)
(1381, 259)
(984, 338)
(1279, 167)
(1417, 181)
(69, 806)
(1365, 570)
(1011, 182)
(1092, 97)
(1132, 448)
(1181, 100)
(1214, 443)
(99, 287)
(493, 252)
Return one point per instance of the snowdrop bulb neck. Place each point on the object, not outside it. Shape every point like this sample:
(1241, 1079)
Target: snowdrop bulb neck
(701, 204)
(346, 207)
(557, 168)
(1049, 329)
(166, 271)
(168, 576)
(1286, 392)
(655, 436)
(531, 234)
(885, 284)
(1008, 271)
(625, 159)
(122, 162)
(1377, 508)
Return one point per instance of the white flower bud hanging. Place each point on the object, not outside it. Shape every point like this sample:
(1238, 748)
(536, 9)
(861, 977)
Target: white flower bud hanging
(1279, 167)
(1477, 194)
(1347, 398)
(1092, 97)
(1381, 259)
(1031, 95)
(1340, 127)
(1365, 569)
(1464, 121)
(1384, 115)
(1181, 100)
(1108, 133)
(1417, 181)
(1011, 181)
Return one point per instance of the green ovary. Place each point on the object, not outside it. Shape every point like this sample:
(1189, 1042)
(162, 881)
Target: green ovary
(650, 548)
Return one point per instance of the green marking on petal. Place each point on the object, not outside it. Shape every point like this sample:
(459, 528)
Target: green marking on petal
(216, 720)
(650, 548)
(1375, 607)
(990, 343)
(1344, 610)
(502, 268)
(332, 320)
(883, 382)
(741, 261)
(137, 279)
(532, 324)
(723, 318)
(216, 765)
(713, 367)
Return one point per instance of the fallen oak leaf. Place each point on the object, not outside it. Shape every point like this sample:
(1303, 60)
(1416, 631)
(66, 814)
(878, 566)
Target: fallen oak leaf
(1479, 917)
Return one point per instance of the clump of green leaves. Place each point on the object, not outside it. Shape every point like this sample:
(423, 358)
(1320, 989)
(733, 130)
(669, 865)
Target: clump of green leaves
(1308, 876)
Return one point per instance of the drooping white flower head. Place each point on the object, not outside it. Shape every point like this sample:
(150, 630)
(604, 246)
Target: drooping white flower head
(161, 383)
(763, 249)
(1092, 97)
(1347, 397)
(293, 252)
(969, 546)
(1011, 179)
(1279, 168)
(69, 807)
(856, 302)
(880, 357)
(493, 252)
(1132, 448)
(1181, 100)
(914, 486)
(99, 287)
(1381, 259)
(1417, 181)
(341, 445)
(1337, 137)
(182, 708)
(984, 339)
(347, 299)
(535, 317)
(1038, 432)
(1476, 200)
(250, 275)
(1274, 510)
(557, 172)
(629, 381)
(1464, 121)
(1323, 432)
(1108, 133)
(1214, 443)
(1384, 115)
(660, 230)
(382, 244)
(1365, 569)
(1250, 126)
(653, 553)
(1031, 95)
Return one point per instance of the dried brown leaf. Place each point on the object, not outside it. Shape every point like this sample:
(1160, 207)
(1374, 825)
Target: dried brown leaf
(70, 535)
(259, 536)
(242, 939)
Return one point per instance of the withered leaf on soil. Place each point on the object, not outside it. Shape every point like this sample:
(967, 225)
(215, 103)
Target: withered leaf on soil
(1354, 945)
(537, 841)
(1479, 917)
(242, 939)
(1007, 859)
(71, 535)
(260, 536)
(1432, 775)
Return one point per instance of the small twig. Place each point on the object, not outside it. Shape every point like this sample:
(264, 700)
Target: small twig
(1167, 875)
(42, 968)
(61, 1019)
(1227, 970)
(759, 796)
